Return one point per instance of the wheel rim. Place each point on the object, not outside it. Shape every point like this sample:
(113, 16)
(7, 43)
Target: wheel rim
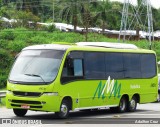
(132, 104)
(122, 105)
(64, 110)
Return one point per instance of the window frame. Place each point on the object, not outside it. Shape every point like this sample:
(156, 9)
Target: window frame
(84, 76)
(103, 53)
(70, 78)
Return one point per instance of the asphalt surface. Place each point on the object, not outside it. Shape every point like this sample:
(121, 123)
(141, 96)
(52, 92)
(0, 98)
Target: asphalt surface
(145, 114)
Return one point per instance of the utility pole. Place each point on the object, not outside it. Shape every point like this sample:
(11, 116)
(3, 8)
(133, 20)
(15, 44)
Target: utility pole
(150, 23)
(135, 14)
(53, 11)
(124, 20)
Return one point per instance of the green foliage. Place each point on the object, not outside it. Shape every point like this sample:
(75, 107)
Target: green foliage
(37, 40)
(69, 11)
(51, 28)
(3, 43)
(6, 59)
(3, 81)
(16, 46)
(7, 34)
(3, 102)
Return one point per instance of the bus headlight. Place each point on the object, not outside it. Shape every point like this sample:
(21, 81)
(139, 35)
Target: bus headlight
(51, 93)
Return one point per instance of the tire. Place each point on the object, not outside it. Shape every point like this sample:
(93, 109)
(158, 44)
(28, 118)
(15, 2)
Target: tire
(121, 108)
(122, 105)
(132, 104)
(20, 112)
(64, 110)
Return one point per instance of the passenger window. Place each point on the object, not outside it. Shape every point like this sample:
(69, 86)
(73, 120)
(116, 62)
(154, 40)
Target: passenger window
(114, 65)
(72, 70)
(148, 64)
(132, 65)
(78, 67)
(94, 65)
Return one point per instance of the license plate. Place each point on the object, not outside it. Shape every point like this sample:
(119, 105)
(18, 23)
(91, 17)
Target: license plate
(25, 106)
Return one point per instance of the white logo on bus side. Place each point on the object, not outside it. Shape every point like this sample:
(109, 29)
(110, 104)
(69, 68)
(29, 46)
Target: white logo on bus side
(135, 86)
(108, 86)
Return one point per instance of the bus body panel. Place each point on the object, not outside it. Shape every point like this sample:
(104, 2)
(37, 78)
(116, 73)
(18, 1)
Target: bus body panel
(90, 93)
(87, 93)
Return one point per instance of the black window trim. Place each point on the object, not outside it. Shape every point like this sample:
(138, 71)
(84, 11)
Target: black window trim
(84, 77)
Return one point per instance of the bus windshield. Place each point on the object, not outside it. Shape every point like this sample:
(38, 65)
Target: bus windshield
(36, 66)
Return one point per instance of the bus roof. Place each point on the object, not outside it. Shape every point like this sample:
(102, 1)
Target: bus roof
(92, 46)
(108, 45)
(48, 46)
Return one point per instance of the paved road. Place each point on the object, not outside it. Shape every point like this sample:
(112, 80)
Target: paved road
(145, 112)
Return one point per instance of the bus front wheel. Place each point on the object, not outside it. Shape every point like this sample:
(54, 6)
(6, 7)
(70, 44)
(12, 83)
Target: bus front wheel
(20, 112)
(64, 110)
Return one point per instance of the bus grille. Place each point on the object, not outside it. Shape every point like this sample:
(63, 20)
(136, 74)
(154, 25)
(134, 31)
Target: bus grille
(26, 102)
(28, 94)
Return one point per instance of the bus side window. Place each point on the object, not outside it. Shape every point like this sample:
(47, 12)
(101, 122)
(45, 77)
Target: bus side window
(73, 70)
(78, 67)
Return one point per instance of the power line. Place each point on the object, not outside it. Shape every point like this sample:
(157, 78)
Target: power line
(137, 12)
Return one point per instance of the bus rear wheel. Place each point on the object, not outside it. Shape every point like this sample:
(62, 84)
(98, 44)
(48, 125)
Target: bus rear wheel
(64, 110)
(20, 112)
(122, 105)
(132, 104)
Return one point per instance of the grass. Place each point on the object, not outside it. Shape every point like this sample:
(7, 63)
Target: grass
(3, 89)
(3, 102)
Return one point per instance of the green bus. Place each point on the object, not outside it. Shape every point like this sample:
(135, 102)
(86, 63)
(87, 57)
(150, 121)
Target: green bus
(82, 76)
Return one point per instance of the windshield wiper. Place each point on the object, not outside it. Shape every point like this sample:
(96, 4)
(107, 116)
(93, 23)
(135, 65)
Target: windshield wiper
(35, 75)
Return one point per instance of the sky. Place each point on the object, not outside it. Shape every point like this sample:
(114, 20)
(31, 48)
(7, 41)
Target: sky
(155, 3)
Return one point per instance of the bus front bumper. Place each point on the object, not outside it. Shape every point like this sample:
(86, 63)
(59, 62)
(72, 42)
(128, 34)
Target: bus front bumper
(49, 102)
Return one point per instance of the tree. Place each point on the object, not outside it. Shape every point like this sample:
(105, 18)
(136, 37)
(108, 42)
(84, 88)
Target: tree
(108, 13)
(87, 19)
(29, 5)
(70, 11)
(104, 8)
(156, 17)
(24, 17)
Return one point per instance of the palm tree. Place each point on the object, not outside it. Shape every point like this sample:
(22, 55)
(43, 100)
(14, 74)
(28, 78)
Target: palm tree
(87, 19)
(29, 5)
(70, 11)
(104, 8)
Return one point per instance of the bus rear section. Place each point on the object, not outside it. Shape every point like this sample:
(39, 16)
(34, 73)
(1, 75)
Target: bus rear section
(98, 79)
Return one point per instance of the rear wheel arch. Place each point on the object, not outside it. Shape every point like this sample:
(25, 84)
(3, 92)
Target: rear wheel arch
(126, 96)
(137, 96)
